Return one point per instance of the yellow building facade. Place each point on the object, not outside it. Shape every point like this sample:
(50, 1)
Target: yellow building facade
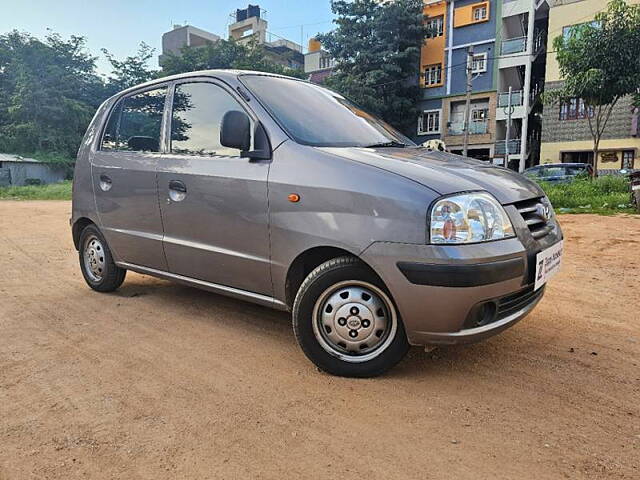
(567, 139)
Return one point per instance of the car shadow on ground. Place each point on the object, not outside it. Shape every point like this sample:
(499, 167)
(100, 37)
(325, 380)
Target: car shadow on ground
(252, 319)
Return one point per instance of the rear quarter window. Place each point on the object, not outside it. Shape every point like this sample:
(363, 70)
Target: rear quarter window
(135, 122)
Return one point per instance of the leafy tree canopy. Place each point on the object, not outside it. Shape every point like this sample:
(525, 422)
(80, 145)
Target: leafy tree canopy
(48, 92)
(49, 89)
(131, 71)
(224, 54)
(376, 46)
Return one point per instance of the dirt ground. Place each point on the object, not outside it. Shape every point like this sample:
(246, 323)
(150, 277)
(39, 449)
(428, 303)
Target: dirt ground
(163, 381)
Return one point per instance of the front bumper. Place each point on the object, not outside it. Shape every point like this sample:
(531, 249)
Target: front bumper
(439, 288)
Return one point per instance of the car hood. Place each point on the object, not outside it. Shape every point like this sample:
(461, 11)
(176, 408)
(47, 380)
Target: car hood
(445, 173)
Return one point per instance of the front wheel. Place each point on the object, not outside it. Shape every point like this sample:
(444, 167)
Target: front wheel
(346, 322)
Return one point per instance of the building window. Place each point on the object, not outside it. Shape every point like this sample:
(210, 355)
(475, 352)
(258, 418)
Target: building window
(577, 157)
(479, 63)
(480, 13)
(628, 157)
(433, 75)
(435, 26)
(570, 30)
(326, 62)
(429, 122)
(575, 109)
(479, 114)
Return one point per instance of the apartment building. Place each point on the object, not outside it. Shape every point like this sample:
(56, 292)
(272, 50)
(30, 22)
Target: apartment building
(566, 136)
(246, 25)
(508, 40)
(184, 36)
(250, 25)
(318, 64)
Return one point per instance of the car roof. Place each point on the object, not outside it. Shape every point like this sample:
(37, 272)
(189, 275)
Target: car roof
(222, 74)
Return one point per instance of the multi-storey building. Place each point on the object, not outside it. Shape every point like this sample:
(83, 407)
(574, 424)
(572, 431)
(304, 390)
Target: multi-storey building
(249, 25)
(318, 64)
(508, 40)
(566, 136)
(184, 36)
(246, 26)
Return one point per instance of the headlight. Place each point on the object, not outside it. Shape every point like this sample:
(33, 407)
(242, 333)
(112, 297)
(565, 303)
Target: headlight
(469, 218)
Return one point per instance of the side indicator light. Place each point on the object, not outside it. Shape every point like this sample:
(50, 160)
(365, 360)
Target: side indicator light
(293, 197)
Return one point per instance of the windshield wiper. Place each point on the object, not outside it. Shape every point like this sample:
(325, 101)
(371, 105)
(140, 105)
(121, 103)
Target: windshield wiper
(392, 143)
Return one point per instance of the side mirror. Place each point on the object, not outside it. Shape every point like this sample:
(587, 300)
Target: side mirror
(236, 130)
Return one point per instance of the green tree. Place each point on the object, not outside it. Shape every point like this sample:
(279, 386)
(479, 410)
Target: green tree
(600, 62)
(376, 46)
(224, 54)
(131, 71)
(48, 93)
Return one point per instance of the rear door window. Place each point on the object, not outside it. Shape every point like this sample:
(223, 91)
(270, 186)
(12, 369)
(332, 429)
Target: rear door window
(196, 119)
(135, 122)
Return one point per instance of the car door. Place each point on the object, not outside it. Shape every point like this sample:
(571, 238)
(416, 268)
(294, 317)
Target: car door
(213, 202)
(123, 170)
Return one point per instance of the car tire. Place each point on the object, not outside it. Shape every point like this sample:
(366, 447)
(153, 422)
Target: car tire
(345, 321)
(96, 262)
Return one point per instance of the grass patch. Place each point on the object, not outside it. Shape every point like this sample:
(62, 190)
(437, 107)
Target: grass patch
(53, 191)
(604, 195)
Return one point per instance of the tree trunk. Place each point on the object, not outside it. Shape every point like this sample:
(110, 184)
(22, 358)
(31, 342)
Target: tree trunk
(596, 151)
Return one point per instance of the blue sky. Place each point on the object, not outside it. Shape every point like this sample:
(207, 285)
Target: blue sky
(119, 25)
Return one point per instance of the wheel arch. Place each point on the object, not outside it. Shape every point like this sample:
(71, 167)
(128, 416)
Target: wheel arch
(306, 262)
(79, 225)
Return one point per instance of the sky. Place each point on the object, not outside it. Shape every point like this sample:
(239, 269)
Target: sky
(120, 26)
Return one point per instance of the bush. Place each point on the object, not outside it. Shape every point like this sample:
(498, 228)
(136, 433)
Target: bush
(53, 191)
(607, 194)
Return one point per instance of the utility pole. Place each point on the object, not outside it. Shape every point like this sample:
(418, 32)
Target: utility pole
(507, 142)
(467, 109)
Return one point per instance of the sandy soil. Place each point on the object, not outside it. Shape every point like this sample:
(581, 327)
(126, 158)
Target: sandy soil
(163, 381)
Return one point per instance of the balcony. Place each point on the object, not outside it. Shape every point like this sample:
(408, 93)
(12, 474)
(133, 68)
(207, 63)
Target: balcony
(514, 45)
(476, 127)
(515, 147)
(517, 99)
(511, 8)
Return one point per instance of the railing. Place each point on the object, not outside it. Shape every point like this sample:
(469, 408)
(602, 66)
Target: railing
(514, 45)
(539, 41)
(517, 99)
(515, 146)
(536, 92)
(477, 127)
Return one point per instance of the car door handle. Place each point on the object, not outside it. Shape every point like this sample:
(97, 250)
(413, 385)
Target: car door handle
(177, 186)
(177, 191)
(105, 183)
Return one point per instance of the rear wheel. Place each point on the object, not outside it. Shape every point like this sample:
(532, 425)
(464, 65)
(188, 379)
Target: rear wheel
(346, 322)
(97, 265)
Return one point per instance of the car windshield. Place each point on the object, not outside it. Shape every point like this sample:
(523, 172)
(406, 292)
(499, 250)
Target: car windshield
(315, 116)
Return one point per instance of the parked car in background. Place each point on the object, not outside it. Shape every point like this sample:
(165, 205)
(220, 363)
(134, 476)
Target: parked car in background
(558, 172)
(283, 193)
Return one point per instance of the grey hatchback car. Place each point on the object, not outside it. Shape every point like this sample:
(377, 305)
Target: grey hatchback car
(283, 193)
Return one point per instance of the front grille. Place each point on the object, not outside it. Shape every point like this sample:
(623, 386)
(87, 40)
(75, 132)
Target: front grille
(533, 214)
(517, 301)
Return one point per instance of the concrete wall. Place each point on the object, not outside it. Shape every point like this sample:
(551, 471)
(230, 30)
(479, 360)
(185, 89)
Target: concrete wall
(552, 152)
(16, 173)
